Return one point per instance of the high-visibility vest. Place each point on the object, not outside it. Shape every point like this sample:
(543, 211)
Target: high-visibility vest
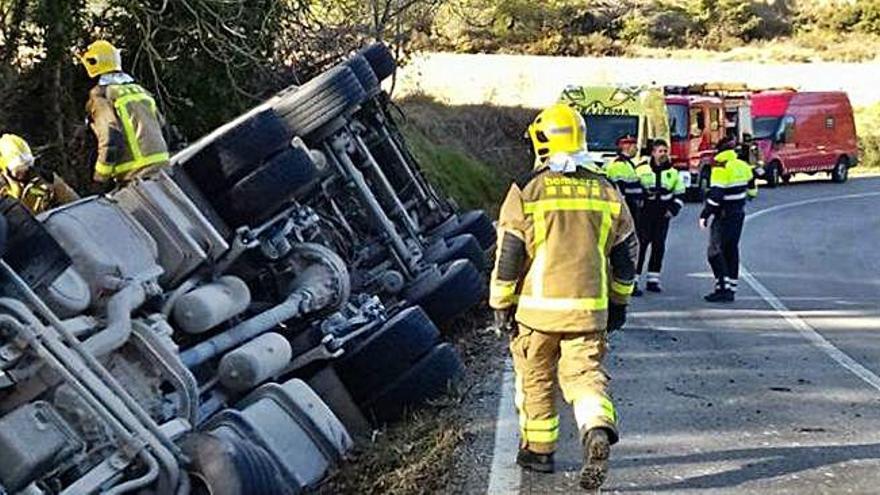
(660, 185)
(126, 122)
(37, 194)
(564, 226)
(622, 173)
(731, 182)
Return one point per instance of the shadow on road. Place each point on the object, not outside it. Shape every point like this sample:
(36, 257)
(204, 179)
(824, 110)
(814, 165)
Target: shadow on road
(761, 463)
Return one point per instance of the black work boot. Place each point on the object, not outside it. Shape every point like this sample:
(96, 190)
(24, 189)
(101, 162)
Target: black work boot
(597, 449)
(542, 463)
(720, 296)
(636, 291)
(653, 287)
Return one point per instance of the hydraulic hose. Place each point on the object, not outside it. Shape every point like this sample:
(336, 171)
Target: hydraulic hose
(118, 329)
(141, 423)
(148, 477)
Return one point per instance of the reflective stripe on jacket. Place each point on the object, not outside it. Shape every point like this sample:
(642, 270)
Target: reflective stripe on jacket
(663, 187)
(37, 194)
(566, 246)
(622, 173)
(732, 182)
(127, 126)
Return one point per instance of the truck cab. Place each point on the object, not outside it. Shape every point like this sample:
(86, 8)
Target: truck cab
(696, 125)
(613, 111)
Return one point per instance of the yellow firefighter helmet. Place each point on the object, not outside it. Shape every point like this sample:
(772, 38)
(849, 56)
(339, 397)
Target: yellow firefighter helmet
(15, 154)
(558, 129)
(101, 57)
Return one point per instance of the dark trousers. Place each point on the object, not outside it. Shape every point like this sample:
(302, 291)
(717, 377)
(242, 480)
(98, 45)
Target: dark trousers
(723, 249)
(635, 210)
(653, 227)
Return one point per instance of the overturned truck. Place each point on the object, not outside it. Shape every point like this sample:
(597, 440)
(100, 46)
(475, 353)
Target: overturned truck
(233, 323)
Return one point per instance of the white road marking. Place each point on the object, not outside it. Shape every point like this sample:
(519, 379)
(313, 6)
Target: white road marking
(504, 477)
(791, 317)
(810, 333)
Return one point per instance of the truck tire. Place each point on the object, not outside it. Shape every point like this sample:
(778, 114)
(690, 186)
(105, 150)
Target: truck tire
(434, 375)
(311, 109)
(260, 194)
(227, 465)
(326, 383)
(458, 288)
(380, 58)
(771, 175)
(236, 152)
(841, 171)
(474, 222)
(460, 247)
(361, 68)
(387, 353)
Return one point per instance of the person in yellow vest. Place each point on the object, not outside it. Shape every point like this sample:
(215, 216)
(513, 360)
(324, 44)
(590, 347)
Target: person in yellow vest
(39, 190)
(664, 199)
(124, 118)
(562, 279)
(731, 183)
(622, 173)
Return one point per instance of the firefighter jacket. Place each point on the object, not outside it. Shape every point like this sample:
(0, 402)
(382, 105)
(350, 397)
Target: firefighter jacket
(622, 173)
(39, 193)
(566, 247)
(128, 128)
(731, 183)
(664, 189)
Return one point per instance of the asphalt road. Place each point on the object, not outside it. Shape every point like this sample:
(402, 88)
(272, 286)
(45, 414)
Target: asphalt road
(776, 393)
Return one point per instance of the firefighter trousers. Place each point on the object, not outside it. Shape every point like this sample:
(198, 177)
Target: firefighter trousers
(635, 210)
(723, 252)
(653, 228)
(575, 360)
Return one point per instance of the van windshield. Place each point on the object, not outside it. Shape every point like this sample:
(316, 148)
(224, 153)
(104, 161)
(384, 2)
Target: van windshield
(765, 127)
(678, 121)
(603, 130)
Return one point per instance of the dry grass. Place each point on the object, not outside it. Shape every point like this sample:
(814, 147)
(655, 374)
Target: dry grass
(804, 48)
(416, 456)
(493, 135)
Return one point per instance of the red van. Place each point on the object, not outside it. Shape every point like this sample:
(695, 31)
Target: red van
(696, 124)
(804, 132)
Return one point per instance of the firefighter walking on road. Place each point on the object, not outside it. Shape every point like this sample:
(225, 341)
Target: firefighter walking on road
(562, 278)
(124, 118)
(732, 182)
(664, 199)
(622, 173)
(39, 190)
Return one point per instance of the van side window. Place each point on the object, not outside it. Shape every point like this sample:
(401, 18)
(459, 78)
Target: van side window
(829, 122)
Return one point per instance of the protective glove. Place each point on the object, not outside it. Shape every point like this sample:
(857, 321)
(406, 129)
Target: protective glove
(616, 316)
(504, 321)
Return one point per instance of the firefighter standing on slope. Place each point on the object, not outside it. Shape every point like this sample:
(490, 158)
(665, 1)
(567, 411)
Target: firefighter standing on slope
(664, 199)
(732, 182)
(124, 118)
(564, 272)
(622, 173)
(38, 190)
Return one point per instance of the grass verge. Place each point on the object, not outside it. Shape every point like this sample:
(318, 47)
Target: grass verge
(415, 456)
(868, 130)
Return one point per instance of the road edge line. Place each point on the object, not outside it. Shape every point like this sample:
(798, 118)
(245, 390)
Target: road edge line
(809, 333)
(504, 474)
(798, 323)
